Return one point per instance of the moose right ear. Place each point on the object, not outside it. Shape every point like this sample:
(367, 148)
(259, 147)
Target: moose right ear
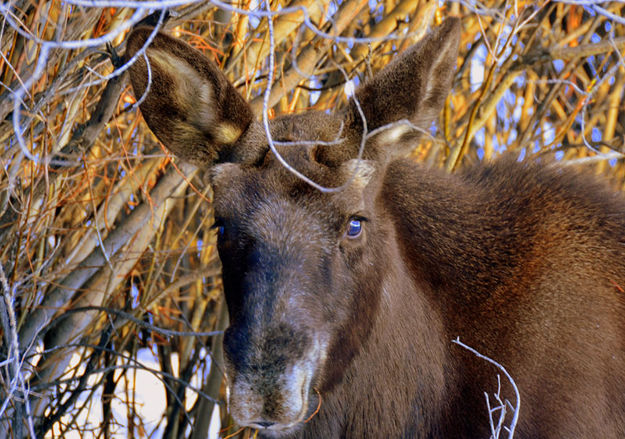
(190, 105)
(412, 88)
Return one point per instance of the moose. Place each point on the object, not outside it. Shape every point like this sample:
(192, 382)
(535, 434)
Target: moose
(344, 304)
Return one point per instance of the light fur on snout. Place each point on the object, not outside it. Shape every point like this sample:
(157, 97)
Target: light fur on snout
(248, 405)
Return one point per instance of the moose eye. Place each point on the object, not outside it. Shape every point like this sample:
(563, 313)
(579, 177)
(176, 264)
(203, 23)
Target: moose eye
(218, 225)
(354, 228)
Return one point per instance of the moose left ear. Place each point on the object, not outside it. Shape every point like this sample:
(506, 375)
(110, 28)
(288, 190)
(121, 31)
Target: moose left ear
(412, 87)
(190, 105)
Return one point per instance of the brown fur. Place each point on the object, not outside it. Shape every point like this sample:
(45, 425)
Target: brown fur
(523, 261)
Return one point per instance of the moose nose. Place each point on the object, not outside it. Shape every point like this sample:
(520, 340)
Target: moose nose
(264, 424)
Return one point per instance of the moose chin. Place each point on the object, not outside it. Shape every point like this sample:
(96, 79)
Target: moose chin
(343, 304)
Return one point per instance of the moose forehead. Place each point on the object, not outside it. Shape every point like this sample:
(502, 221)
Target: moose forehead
(241, 190)
(268, 193)
(310, 126)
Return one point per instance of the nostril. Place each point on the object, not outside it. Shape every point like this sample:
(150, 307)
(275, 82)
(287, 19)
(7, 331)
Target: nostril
(264, 424)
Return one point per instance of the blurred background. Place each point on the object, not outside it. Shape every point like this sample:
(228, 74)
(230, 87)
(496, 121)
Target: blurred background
(111, 310)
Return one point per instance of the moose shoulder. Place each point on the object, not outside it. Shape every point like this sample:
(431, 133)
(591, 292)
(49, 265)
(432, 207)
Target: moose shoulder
(351, 299)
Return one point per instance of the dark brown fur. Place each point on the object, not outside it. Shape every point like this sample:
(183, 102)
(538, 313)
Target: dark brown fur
(525, 262)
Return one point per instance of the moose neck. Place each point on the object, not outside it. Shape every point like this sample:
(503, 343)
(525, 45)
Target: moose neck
(456, 237)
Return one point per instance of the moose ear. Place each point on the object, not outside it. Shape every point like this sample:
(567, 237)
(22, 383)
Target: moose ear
(412, 87)
(189, 105)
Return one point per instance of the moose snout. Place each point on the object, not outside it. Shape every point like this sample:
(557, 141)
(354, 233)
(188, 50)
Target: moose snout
(277, 406)
(270, 376)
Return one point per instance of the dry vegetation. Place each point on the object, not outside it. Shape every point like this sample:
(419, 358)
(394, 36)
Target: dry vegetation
(105, 240)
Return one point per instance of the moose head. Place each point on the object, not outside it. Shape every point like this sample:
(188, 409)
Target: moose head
(302, 268)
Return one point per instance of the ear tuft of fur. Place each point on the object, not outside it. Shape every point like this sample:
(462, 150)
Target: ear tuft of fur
(361, 171)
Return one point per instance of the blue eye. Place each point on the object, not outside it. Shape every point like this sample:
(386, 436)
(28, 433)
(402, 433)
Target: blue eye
(354, 228)
(218, 225)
